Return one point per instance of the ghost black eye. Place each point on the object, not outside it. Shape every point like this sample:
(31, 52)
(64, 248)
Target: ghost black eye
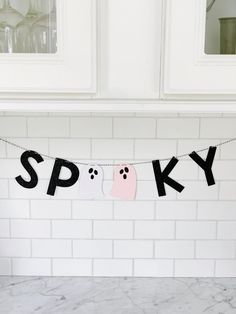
(90, 170)
(95, 172)
(122, 171)
(126, 169)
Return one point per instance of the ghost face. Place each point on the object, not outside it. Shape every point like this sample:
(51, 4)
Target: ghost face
(93, 173)
(91, 182)
(124, 172)
(125, 182)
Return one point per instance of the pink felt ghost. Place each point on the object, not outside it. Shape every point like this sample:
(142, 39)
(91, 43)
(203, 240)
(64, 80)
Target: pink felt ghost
(125, 182)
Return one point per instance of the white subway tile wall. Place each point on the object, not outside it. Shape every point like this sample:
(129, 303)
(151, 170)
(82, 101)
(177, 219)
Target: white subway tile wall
(187, 234)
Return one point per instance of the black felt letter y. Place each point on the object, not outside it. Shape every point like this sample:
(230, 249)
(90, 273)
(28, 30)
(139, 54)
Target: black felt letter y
(206, 165)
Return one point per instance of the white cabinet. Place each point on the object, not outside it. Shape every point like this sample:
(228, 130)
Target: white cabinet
(122, 55)
(189, 71)
(130, 48)
(68, 71)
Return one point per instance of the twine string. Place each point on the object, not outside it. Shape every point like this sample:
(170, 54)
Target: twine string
(112, 165)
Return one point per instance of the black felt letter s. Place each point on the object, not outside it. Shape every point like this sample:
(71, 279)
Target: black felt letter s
(33, 175)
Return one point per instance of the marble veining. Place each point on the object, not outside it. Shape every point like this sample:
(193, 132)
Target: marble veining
(64, 295)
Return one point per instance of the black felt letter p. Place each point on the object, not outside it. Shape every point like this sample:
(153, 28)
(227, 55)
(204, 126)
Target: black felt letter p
(55, 178)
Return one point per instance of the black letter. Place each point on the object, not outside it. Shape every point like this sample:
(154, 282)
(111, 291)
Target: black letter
(206, 165)
(25, 162)
(56, 181)
(162, 177)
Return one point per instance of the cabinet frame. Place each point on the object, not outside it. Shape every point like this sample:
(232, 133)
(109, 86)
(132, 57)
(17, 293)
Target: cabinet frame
(70, 72)
(188, 71)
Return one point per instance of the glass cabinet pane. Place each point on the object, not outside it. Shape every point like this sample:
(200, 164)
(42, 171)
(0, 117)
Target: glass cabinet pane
(28, 26)
(220, 27)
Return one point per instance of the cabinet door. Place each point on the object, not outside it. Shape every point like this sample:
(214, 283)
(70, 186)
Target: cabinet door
(194, 64)
(64, 64)
(130, 48)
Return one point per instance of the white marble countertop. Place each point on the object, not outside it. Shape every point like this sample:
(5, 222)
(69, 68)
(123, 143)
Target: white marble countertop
(116, 295)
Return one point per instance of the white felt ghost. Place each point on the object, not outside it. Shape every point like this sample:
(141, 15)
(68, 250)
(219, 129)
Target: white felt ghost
(125, 182)
(91, 182)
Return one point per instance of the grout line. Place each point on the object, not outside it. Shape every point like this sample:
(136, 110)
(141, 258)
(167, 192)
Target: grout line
(51, 229)
(196, 208)
(51, 266)
(30, 209)
(11, 266)
(31, 248)
(154, 249)
(113, 248)
(214, 269)
(92, 235)
(72, 248)
(123, 258)
(219, 189)
(155, 207)
(10, 227)
(133, 226)
(92, 267)
(8, 188)
(174, 266)
(192, 220)
(71, 210)
(113, 211)
(175, 230)
(136, 239)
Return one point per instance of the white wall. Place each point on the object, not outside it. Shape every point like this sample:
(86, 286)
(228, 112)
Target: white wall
(189, 234)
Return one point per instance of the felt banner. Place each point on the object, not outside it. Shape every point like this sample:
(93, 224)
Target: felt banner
(90, 177)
